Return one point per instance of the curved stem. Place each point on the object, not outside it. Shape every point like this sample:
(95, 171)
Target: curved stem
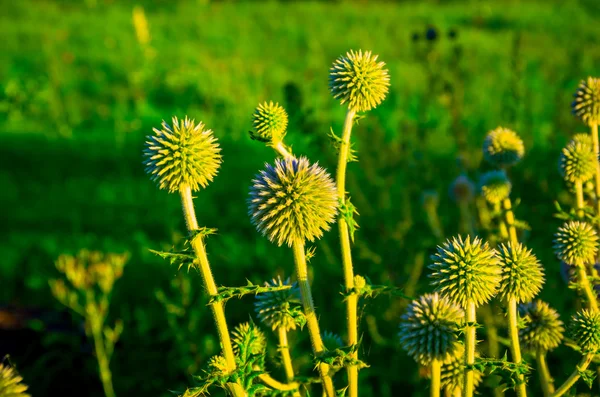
(217, 308)
(277, 385)
(352, 300)
(510, 221)
(436, 367)
(545, 378)
(587, 288)
(583, 364)
(470, 342)
(309, 312)
(281, 149)
(515, 347)
(594, 133)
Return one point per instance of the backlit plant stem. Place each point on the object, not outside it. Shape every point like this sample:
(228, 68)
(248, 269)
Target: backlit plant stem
(510, 221)
(470, 341)
(594, 132)
(587, 288)
(217, 308)
(545, 378)
(96, 325)
(284, 348)
(503, 228)
(515, 348)
(309, 312)
(583, 364)
(352, 300)
(579, 194)
(436, 368)
(281, 149)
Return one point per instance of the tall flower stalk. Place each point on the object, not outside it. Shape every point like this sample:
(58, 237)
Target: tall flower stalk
(361, 83)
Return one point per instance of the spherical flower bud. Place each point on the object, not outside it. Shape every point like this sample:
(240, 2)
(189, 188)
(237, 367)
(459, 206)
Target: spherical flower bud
(495, 186)
(503, 147)
(270, 122)
(11, 383)
(462, 189)
(292, 200)
(466, 270)
(332, 341)
(576, 243)
(578, 161)
(247, 337)
(584, 329)
(185, 154)
(542, 328)
(359, 81)
(453, 372)
(583, 138)
(586, 105)
(276, 309)
(430, 328)
(522, 273)
(217, 365)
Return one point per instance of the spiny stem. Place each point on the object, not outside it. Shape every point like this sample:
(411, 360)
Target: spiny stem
(284, 348)
(594, 133)
(309, 312)
(514, 343)
(510, 221)
(209, 283)
(545, 378)
(352, 300)
(583, 364)
(470, 342)
(587, 288)
(436, 367)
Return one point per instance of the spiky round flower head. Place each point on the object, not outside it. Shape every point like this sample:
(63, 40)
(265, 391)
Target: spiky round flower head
(10, 383)
(584, 329)
(543, 330)
(249, 338)
(462, 189)
(292, 200)
(583, 138)
(185, 154)
(279, 309)
(466, 270)
(270, 122)
(586, 105)
(332, 341)
(576, 243)
(495, 186)
(453, 372)
(578, 161)
(522, 273)
(429, 330)
(357, 79)
(217, 365)
(503, 147)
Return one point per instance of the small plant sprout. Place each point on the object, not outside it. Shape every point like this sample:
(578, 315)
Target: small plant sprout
(542, 332)
(429, 332)
(183, 158)
(577, 166)
(11, 383)
(361, 83)
(503, 147)
(468, 272)
(270, 122)
(291, 202)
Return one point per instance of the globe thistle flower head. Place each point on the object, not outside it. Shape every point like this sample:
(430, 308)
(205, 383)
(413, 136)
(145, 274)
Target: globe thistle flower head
(586, 105)
(466, 270)
(359, 81)
(495, 186)
(183, 154)
(332, 341)
(576, 243)
(453, 372)
(542, 329)
(584, 329)
(578, 161)
(583, 138)
(248, 339)
(503, 147)
(292, 200)
(522, 273)
(11, 383)
(430, 328)
(270, 122)
(277, 309)
(217, 365)
(462, 189)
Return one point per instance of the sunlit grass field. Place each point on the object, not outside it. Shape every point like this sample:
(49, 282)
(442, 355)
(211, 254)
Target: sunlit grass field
(83, 82)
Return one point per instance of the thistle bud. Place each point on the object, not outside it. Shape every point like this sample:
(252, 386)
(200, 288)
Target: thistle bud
(248, 339)
(503, 147)
(270, 122)
(453, 372)
(276, 309)
(576, 243)
(543, 331)
(584, 329)
(578, 161)
(495, 186)
(522, 273)
(586, 105)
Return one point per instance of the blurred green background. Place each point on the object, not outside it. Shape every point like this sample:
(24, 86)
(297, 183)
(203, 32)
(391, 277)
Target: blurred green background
(83, 82)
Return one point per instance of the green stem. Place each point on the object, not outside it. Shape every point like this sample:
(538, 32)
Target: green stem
(281, 149)
(487, 316)
(436, 367)
(583, 364)
(470, 342)
(309, 312)
(277, 385)
(502, 223)
(587, 288)
(510, 221)
(594, 133)
(352, 300)
(514, 343)
(579, 194)
(284, 348)
(545, 378)
(103, 363)
(217, 308)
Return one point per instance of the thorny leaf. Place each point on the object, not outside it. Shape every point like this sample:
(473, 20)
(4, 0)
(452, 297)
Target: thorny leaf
(588, 376)
(337, 143)
(226, 293)
(509, 372)
(347, 212)
(340, 357)
(180, 258)
(369, 290)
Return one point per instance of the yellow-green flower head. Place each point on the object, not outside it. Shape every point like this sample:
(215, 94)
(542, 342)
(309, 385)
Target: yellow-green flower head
(279, 309)
(578, 161)
(292, 200)
(359, 81)
(584, 138)
(453, 372)
(495, 186)
(584, 329)
(586, 105)
(430, 328)
(331, 341)
(466, 270)
(576, 243)
(270, 122)
(248, 339)
(184, 154)
(543, 330)
(11, 383)
(217, 365)
(503, 147)
(522, 273)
